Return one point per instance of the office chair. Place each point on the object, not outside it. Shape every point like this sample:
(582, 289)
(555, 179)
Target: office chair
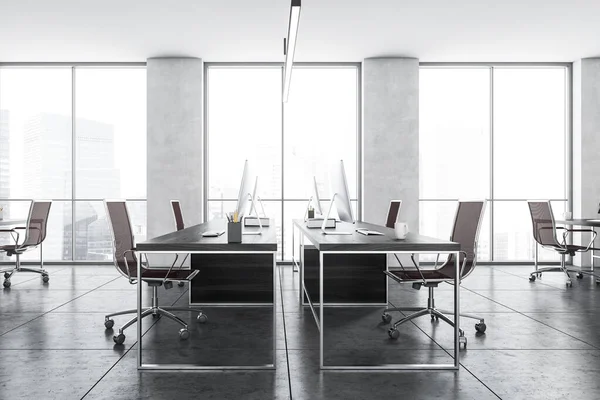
(35, 233)
(178, 215)
(393, 213)
(467, 223)
(544, 233)
(126, 263)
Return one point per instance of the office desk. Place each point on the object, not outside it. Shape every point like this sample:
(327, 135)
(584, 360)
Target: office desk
(256, 253)
(12, 222)
(591, 223)
(329, 247)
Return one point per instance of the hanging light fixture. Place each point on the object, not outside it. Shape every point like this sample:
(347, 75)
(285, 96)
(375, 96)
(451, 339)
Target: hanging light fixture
(289, 47)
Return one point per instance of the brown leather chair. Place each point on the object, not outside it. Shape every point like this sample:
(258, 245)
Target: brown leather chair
(393, 213)
(126, 263)
(544, 233)
(35, 233)
(467, 223)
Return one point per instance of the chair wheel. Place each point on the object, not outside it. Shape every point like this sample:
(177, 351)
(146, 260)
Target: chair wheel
(6, 275)
(480, 327)
(119, 339)
(579, 275)
(386, 318)
(45, 278)
(202, 318)
(180, 284)
(109, 323)
(6, 283)
(394, 333)
(569, 284)
(531, 278)
(184, 334)
(434, 318)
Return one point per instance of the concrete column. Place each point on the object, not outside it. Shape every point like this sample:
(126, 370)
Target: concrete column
(175, 145)
(391, 138)
(586, 144)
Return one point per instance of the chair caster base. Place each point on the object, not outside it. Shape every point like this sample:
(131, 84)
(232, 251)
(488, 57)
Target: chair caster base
(569, 284)
(480, 327)
(202, 318)
(180, 284)
(119, 339)
(6, 283)
(394, 333)
(45, 278)
(184, 334)
(532, 278)
(386, 318)
(579, 275)
(7, 275)
(462, 341)
(109, 323)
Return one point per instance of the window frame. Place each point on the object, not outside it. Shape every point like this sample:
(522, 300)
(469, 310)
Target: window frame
(283, 199)
(73, 66)
(568, 139)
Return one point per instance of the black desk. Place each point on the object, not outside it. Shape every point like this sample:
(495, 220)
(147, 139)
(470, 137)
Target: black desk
(232, 274)
(328, 249)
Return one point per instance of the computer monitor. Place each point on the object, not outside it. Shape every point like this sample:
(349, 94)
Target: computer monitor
(315, 200)
(247, 188)
(340, 192)
(340, 196)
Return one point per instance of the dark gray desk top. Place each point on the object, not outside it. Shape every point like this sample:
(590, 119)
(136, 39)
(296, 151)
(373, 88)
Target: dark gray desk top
(360, 242)
(190, 240)
(580, 222)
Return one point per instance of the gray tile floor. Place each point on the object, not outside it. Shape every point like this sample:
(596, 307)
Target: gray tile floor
(542, 342)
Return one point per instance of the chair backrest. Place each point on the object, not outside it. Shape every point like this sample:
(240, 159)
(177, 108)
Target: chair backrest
(37, 222)
(393, 213)
(122, 234)
(177, 214)
(467, 224)
(542, 220)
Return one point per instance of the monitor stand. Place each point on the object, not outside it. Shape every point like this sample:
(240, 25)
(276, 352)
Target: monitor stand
(255, 209)
(323, 227)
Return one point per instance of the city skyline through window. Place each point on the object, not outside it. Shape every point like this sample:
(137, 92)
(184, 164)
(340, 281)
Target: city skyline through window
(74, 159)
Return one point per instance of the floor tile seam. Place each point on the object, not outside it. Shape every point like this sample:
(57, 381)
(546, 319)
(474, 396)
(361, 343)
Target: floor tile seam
(49, 311)
(480, 381)
(542, 283)
(541, 322)
(287, 357)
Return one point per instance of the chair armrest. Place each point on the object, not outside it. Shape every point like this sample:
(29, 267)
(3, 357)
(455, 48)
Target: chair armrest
(568, 231)
(12, 233)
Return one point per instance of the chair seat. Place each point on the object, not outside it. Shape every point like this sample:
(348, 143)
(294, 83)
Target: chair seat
(12, 249)
(155, 273)
(414, 275)
(570, 249)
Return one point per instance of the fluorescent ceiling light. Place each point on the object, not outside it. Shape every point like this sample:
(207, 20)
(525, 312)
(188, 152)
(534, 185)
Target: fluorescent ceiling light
(290, 47)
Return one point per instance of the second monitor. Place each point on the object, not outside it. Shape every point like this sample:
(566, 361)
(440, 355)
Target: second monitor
(340, 196)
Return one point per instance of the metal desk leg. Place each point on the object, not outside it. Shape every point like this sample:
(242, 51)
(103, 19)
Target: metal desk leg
(294, 266)
(321, 309)
(456, 310)
(301, 268)
(139, 310)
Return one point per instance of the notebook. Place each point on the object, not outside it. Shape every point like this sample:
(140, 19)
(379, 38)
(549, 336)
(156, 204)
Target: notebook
(365, 231)
(213, 233)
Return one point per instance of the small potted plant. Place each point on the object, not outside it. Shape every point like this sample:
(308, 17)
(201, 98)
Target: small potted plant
(311, 212)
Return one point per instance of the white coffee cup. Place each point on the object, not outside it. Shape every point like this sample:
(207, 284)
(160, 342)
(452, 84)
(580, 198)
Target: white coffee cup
(401, 230)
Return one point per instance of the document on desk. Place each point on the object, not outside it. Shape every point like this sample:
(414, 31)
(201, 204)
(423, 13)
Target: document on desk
(367, 232)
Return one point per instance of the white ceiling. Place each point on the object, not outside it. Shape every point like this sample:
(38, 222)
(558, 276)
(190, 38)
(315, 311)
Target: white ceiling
(330, 30)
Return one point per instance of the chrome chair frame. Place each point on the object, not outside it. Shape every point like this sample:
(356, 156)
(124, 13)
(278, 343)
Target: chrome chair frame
(435, 313)
(23, 247)
(563, 248)
(155, 310)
